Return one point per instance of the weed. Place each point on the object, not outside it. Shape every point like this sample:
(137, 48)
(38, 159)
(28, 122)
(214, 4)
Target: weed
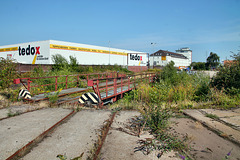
(156, 119)
(12, 114)
(212, 116)
(53, 97)
(64, 157)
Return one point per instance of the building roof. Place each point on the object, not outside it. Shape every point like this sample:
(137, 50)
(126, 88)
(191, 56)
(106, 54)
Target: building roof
(167, 53)
(185, 49)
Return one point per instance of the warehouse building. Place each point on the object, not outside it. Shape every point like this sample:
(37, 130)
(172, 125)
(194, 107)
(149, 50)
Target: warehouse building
(40, 52)
(182, 59)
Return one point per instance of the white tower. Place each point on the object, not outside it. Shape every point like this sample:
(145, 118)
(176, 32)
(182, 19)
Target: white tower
(186, 52)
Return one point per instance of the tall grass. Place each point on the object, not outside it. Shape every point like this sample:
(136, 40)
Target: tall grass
(181, 90)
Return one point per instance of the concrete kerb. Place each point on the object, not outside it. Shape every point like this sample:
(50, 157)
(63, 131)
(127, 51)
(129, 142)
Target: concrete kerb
(27, 148)
(215, 130)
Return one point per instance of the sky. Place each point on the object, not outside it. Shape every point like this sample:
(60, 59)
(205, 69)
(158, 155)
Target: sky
(202, 25)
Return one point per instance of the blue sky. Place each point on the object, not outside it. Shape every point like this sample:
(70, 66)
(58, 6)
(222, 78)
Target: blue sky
(203, 25)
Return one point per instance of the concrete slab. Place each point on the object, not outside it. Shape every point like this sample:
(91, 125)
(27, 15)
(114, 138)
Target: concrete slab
(19, 108)
(221, 113)
(120, 145)
(235, 121)
(16, 132)
(226, 131)
(72, 138)
(230, 117)
(203, 143)
(237, 110)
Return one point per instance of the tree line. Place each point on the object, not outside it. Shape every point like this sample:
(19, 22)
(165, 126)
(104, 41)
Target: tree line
(212, 62)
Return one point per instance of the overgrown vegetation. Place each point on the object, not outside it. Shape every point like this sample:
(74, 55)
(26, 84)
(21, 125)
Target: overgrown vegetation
(7, 72)
(61, 67)
(64, 67)
(228, 78)
(53, 97)
(213, 61)
(175, 91)
(181, 90)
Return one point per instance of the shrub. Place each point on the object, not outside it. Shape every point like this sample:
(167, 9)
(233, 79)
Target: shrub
(157, 118)
(202, 92)
(198, 65)
(169, 73)
(220, 98)
(228, 77)
(7, 72)
(59, 61)
(73, 64)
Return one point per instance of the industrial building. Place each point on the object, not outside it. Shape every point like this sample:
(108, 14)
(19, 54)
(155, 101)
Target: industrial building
(187, 53)
(182, 59)
(41, 52)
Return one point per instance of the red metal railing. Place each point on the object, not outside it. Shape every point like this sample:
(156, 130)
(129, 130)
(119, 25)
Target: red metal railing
(53, 83)
(114, 84)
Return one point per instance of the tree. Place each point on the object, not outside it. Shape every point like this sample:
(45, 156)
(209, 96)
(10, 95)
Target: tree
(228, 77)
(73, 64)
(198, 65)
(212, 61)
(59, 61)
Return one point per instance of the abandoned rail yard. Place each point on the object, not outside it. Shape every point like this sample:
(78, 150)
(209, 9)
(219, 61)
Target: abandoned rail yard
(64, 100)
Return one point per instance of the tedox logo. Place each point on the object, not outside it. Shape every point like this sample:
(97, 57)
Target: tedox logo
(135, 57)
(29, 50)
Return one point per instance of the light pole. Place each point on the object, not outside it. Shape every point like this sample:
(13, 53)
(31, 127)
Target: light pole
(153, 52)
(109, 52)
(123, 57)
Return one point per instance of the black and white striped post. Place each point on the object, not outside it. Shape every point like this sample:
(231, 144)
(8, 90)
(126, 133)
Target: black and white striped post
(89, 99)
(24, 94)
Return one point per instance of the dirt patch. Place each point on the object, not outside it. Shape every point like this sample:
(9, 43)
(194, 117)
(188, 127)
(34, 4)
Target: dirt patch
(203, 143)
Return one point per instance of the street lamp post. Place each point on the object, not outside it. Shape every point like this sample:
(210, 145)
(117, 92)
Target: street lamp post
(109, 52)
(153, 52)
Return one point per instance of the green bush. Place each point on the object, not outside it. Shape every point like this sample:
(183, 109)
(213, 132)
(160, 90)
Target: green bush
(228, 77)
(169, 73)
(59, 61)
(73, 65)
(157, 118)
(202, 92)
(7, 72)
(198, 65)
